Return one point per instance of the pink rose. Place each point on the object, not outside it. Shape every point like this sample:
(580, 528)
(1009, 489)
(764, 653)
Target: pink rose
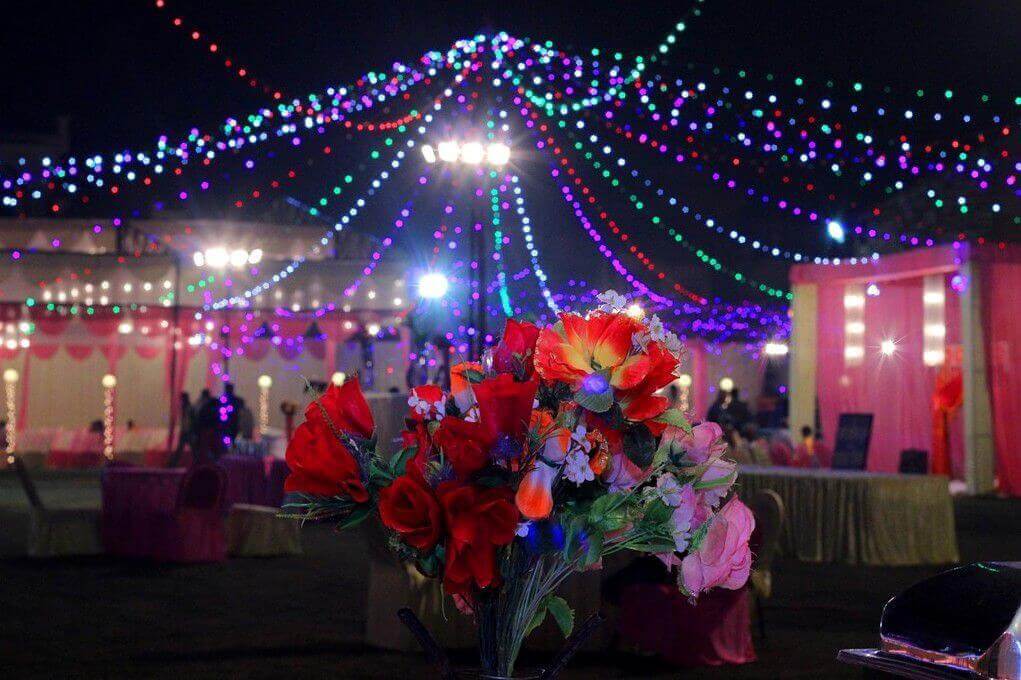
(704, 443)
(723, 560)
(622, 474)
(716, 481)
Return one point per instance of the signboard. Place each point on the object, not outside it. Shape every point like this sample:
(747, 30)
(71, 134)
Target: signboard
(854, 431)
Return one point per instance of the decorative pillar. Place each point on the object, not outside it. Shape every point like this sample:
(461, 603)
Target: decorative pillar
(804, 349)
(265, 382)
(11, 429)
(109, 395)
(979, 451)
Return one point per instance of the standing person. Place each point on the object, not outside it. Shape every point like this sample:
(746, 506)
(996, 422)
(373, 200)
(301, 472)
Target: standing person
(231, 404)
(207, 422)
(186, 433)
(737, 410)
(246, 421)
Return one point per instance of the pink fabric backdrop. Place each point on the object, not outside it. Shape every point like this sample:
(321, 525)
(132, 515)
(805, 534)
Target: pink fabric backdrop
(896, 389)
(1001, 287)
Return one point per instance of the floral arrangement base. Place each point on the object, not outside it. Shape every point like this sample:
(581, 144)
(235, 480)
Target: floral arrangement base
(438, 656)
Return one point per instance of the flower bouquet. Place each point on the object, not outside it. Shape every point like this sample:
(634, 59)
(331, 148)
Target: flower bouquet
(552, 453)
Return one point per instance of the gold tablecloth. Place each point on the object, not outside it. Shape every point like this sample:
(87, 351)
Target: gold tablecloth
(860, 517)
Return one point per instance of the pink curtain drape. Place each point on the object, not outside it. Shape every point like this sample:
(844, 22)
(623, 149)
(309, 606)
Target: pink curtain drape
(1000, 288)
(896, 389)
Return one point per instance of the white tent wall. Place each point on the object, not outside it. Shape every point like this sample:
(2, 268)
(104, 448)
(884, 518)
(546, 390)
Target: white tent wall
(142, 394)
(64, 391)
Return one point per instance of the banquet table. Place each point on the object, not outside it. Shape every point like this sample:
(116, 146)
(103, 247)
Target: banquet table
(133, 499)
(858, 517)
(246, 479)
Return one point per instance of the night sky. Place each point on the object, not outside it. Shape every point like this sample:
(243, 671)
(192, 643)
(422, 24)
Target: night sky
(124, 74)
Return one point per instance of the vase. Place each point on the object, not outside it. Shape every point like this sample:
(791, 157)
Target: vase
(491, 655)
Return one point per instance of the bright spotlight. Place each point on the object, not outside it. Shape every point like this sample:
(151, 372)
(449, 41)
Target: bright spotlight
(218, 258)
(338, 378)
(498, 154)
(199, 258)
(448, 151)
(726, 384)
(255, 257)
(238, 258)
(775, 349)
(265, 382)
(684, 380)
(472, 153)
(429, 153)
(635, 311)
(888, 347)
(433, 286)
(835, 230)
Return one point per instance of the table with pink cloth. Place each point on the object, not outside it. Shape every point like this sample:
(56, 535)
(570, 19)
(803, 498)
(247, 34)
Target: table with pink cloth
(134, 501)
(716, 630)
(246, 479)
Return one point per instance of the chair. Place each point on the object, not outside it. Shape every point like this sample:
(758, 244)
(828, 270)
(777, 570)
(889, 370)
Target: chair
(195, 531)
(768, 509)
(58, 532)
(914, 462)
(259, 531)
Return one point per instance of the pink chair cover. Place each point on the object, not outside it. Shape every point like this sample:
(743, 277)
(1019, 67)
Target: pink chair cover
(246, 479)
(276, 473)
(717, 630)
(136, 505)
(196, 531)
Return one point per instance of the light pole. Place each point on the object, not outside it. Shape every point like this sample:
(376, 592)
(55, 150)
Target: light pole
(473, 153)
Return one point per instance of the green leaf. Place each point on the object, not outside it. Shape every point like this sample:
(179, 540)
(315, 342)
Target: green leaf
(562, 614)
(653, 546)
(474, 376)
(657, 512)
(639, 445)
(607, 512)
(597, 402)
(674, 416)
(357, 516)
(537, 618)
(715, 483)
(399, 463)
(595, 549)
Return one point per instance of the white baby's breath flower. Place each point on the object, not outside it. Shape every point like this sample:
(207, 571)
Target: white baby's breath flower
(577, 468)
(612, 302)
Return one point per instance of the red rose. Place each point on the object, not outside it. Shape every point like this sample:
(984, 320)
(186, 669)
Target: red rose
(465, 445)
(505, 406)
(409, 507)
(321, 465)
(346, 409)
(479, 520)
(516, 348)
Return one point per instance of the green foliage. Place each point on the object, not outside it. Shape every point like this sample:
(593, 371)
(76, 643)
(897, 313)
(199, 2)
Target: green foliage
(608, 512)
(562, 614)
(597, 402)
(559, 609)
(674, 416)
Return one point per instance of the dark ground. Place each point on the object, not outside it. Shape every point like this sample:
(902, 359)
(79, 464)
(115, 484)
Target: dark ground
(289, 617)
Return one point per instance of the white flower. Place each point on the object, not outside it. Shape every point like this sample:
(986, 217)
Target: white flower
(577, 469)
(612, 302)
(580, 440)
(523, 528)
(669, 490)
